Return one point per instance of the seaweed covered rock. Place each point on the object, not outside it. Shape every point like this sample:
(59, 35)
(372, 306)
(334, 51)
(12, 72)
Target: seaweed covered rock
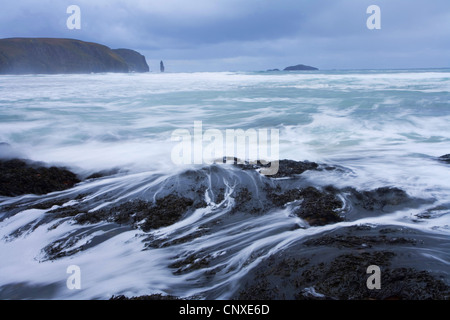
(286, 168)
(333, 265)
(317, 207)
(342, 277)
(380, 198)
(137, 213)
(18, 177)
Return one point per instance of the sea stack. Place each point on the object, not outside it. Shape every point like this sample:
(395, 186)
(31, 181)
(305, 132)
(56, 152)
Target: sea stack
(161, 66)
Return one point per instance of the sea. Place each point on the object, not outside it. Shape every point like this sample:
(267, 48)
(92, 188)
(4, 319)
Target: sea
(382, 128)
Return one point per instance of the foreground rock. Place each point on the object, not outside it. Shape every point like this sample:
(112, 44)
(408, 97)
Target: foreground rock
(253, 195)
(18, 177)
(317, 207)
(54, 56)
(334, 267)
(344, 279)
(323, 263)
(138, 213)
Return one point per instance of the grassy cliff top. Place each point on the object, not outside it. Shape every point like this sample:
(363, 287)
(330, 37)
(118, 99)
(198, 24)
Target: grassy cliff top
(55, 55)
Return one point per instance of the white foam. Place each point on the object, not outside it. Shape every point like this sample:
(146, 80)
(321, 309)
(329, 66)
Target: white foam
(383, 128)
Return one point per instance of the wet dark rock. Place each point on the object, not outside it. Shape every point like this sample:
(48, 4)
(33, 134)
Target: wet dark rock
(286, 168)
(49, 204)
(69, 244)
(167, 211)
(152, 242)
(18, 177)
(220, 196)
(319, 208)
(102, 174)
(324, 266)
(445, 158)
(243, 196)
(281, 199)
(71, 211)
(333, 265)
(379, 198)
(260, 290)
(138, 213)
(189, 263)
(316, 207)
(28, 291)
(350, 241)
(95, 175)
(244, 202)
(342, 277)
(58, 249)
(434, 212)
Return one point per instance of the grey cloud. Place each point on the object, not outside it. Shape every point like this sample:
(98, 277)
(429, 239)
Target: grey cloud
(328, 33)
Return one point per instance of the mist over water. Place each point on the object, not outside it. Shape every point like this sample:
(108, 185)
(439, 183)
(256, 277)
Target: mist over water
(386, 128)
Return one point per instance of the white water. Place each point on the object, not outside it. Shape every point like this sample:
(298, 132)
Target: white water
(386, 128)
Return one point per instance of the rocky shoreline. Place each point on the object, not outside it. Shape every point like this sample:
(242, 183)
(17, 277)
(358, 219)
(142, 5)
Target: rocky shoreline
(19, 177)
(330, 266)
(333, 267)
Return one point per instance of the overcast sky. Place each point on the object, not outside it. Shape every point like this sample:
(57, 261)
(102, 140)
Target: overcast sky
(246, 35)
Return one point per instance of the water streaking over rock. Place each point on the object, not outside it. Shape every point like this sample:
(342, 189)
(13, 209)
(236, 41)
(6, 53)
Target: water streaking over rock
(205, 230)
(362, 182)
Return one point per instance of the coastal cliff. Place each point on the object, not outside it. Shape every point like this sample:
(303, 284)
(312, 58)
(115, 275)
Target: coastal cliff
(135, 61)
(55, 56)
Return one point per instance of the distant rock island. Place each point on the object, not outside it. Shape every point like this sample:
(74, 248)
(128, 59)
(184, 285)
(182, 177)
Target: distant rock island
(55, 56)
(299, 67)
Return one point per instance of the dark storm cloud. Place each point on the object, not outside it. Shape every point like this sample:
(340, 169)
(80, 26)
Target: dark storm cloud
(249, 34)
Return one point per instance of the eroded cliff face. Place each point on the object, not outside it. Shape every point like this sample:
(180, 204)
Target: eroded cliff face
(136, 62)
(53, 56)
